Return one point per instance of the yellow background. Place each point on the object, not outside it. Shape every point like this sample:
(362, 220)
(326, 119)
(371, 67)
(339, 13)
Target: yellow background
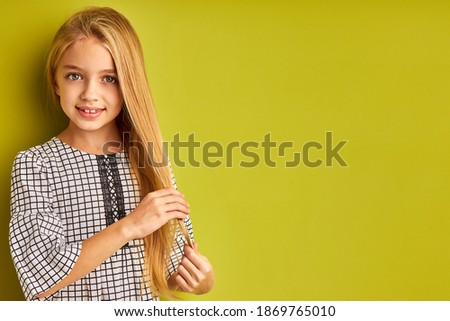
(375, 73)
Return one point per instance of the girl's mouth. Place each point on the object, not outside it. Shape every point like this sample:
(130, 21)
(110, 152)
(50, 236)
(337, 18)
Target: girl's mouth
(89, 113)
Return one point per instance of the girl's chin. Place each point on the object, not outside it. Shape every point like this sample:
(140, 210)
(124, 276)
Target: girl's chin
(92, 126)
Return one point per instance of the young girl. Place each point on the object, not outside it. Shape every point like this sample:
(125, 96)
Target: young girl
(96, 216)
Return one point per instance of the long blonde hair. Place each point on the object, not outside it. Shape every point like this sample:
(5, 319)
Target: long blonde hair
(137, 118)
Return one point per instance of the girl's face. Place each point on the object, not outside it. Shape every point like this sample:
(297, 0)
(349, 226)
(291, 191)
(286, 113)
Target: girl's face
(87, 85)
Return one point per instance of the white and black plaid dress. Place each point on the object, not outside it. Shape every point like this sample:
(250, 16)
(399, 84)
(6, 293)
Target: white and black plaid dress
(59, 197)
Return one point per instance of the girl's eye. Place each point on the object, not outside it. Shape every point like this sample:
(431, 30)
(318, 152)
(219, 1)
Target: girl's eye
(110, 79)
(73, 77)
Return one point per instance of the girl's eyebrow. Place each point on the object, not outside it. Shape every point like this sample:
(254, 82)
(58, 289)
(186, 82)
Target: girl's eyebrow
(73, 67)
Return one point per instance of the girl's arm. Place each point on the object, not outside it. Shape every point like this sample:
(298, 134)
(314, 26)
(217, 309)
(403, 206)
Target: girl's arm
(155, 210)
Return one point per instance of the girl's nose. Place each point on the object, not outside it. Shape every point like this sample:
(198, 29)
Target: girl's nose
(90, 92)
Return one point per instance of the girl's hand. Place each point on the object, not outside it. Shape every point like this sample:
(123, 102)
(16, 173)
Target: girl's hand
(195, 274)
(155, 210)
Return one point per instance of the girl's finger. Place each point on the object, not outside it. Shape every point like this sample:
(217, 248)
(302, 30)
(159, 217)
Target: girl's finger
(183, 284)
(168, 199)
(175, 207)
(186, 276)
(191, 269)
(176, 215)
(165, 192)
(195, 257)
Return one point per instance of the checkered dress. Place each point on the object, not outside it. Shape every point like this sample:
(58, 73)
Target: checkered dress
(61, 196)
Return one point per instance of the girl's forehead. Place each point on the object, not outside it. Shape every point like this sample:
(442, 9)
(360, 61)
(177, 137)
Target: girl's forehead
(89, 54)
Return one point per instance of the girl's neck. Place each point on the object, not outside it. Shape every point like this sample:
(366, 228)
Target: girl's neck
(93, 142)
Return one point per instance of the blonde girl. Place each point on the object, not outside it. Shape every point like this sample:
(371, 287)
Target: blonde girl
(96, 216)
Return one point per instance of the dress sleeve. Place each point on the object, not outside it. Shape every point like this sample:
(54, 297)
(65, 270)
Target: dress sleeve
(178, 246)
(36, 234)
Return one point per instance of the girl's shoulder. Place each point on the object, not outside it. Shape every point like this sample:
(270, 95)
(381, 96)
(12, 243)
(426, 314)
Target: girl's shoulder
(42, 151)
(57, 155)
(40, 155)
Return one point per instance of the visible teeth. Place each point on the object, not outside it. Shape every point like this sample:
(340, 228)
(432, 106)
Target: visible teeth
(91, 111)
